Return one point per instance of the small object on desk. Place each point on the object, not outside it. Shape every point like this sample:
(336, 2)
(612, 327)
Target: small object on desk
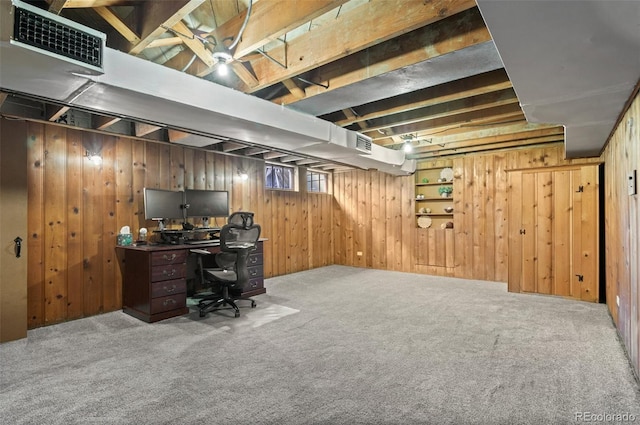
(187, 226)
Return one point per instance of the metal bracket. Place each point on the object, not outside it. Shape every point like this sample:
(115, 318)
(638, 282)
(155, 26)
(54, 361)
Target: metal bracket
(580, 189)
(523, 231)
(580, 277)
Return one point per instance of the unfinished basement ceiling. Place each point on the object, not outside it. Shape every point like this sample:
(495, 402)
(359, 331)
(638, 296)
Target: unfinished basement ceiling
(395, 70)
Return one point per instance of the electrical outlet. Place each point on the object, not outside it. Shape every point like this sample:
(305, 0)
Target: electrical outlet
(631, 183)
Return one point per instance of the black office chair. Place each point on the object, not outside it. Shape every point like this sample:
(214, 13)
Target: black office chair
(237, 239)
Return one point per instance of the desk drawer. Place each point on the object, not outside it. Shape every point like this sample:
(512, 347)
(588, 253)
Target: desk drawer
(253, 284)
(168, 272)
(254, 260)
(255, 271)
(172, 302)
(168, 257)
(168, 287)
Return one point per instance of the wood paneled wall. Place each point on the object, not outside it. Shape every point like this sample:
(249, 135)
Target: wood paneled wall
(76, 208)
(374, 215)
(622, 229)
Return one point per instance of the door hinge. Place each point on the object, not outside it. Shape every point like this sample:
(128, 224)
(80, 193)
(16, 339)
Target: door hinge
(580, 277)
(523, 231)
(580, 189)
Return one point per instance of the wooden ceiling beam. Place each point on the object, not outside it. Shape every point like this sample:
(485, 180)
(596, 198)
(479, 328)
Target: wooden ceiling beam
(276, 18)
(489, 147)
(273, 155)
(54, 113)
(512, 130)
(345, 36)
(79, 4)
(117, 24)
(467, 87)
(426, 127)
(256, 151)
(101, 122)
(231, 146)
(142, 129)
(293, 88)
(470, 104)
(556, 133)
(196, 46)
(164, 42)
(160, 15)
(269, 20)
(448, 35)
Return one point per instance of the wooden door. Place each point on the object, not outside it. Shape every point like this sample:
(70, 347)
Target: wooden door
(553, 232)
(13, 224)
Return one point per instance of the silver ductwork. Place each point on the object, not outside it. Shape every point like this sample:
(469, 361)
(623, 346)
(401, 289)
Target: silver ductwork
(133, 88)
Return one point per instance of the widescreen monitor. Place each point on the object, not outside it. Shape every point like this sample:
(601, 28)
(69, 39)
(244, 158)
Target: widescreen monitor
(163, 204)
(207, 203)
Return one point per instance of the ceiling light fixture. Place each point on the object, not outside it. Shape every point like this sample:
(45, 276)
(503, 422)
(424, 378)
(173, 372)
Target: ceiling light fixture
(223, 58)
(408, 148)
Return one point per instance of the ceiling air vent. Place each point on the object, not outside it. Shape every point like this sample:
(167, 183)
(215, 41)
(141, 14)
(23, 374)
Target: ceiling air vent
(363, 143)
(57, 36)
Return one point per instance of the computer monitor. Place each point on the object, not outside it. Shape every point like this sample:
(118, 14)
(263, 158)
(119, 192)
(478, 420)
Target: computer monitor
(206, 203)
(160, 204)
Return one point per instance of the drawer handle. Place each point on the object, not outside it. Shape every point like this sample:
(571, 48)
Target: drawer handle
(170, 258)
(169, 301)
(253, 273)
(169, 274)
(173, 288)
(253, 260)
(254, 284)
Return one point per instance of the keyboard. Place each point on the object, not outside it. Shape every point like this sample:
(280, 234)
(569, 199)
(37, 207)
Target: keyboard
(202, 242)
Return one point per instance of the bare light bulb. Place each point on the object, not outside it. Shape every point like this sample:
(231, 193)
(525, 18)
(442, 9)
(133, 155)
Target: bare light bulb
(407, 147)
(223, 69)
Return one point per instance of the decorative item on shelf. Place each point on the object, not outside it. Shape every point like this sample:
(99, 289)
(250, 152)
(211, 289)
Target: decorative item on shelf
(442, 180)
(424, 222)
(447, 174)
(445, 191)
(447, 225)
(420, 197)
(425, 180)
(428, 210)
(448, 210)
(422, 210)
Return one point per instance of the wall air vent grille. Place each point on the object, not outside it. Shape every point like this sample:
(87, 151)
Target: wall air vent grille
(363, 143)
(58, 38)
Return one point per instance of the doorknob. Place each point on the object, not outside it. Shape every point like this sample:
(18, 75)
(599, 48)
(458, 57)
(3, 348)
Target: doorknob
(17, 246)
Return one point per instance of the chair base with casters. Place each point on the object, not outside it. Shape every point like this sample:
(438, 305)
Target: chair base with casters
(214, 302)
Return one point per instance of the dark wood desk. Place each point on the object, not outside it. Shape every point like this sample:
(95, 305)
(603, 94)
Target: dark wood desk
(154, 279)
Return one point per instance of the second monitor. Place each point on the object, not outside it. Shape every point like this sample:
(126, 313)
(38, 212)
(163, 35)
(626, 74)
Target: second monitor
(206, 203)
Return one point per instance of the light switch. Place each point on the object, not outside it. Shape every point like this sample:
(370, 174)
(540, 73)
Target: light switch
(631, 183)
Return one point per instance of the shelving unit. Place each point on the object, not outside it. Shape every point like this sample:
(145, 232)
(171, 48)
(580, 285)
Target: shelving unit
(429, 202)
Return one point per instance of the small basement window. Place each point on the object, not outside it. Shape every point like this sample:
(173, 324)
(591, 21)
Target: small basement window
(317, 181)
(279, 176)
